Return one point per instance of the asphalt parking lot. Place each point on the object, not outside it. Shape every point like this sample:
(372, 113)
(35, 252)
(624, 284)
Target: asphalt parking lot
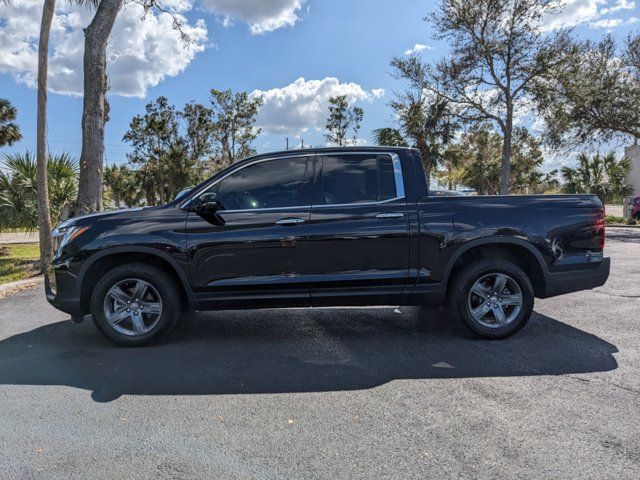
(331, 393)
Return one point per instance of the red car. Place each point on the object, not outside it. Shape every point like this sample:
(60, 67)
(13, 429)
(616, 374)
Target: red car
(635, 208)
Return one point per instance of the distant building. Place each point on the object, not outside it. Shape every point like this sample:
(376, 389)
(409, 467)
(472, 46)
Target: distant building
(633, 179)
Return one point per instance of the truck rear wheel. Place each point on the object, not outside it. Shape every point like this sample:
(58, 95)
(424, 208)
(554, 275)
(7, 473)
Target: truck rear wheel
(494, 297)
(135, 304)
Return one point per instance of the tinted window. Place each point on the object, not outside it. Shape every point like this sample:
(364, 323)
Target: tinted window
(270, 184)
(386, 178)
(357, 179)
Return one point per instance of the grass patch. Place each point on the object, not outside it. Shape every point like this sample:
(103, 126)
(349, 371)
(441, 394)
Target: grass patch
(612, 219)
(17, 230)
(18, 262)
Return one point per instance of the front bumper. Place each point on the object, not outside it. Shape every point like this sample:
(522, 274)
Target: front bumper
(560, 283)
(60, 289)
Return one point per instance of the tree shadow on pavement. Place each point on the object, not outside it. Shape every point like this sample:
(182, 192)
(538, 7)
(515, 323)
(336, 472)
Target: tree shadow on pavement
(276, 351)
(626, 235)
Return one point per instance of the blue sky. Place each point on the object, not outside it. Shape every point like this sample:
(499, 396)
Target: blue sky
(336, 46)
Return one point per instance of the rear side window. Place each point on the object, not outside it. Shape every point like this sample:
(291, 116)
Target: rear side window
(270, 184)
(357, 179)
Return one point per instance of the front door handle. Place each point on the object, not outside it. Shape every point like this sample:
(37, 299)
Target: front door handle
(390, 215)
(290, 221)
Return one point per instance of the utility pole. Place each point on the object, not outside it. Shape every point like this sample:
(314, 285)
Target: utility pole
(287, 143)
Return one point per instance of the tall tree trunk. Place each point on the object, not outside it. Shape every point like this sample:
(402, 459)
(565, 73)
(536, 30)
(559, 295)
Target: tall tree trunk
(95, 108)
(44, 216)
(506, 153)
(423, 148)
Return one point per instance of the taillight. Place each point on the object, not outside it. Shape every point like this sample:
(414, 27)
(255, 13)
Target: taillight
(599, 233)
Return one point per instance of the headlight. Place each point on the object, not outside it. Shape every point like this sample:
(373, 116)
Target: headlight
(62, 235)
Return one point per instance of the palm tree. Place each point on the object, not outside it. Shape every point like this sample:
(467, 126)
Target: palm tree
(427, 125)
(124, 185)
(9, 130)
(44, 216)
(602, 176)
(389, 137)
(19, 188)
(95, 108)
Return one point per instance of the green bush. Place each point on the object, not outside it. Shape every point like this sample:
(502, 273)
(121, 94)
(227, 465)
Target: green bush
(614, 219)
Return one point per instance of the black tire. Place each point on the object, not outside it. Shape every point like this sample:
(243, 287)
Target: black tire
(164, 286)
(460, 298)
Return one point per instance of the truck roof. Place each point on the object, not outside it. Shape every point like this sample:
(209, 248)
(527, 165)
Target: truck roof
(328, 150)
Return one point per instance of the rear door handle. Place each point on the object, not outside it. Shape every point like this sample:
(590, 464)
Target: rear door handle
(290, 221)
(390, 215)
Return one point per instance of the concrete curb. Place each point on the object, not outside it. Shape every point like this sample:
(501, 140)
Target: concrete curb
(621, 226)
(13, 287)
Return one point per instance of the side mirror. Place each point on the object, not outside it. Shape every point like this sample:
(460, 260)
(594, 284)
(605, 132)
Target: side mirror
(183, 192)
(206, 204)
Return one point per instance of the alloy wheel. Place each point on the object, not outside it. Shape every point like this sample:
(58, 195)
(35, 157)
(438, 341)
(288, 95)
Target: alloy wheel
(132, 307)
(495, 300)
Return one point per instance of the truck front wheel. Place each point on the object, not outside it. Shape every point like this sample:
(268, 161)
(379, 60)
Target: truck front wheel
(135, 304)
(494, 297)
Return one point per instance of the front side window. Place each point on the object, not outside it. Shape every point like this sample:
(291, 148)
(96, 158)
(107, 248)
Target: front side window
(357, 179)
(269, 184)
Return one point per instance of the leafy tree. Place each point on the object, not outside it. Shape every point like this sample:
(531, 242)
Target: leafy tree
(389, 137)
(19, 188)
(527, 159)
(233, 118)
(9, 130)
(343, 119)
(604, 176)
(168, 147)
(452, 173)
(497, 50)
(480, 158)
(587, 99)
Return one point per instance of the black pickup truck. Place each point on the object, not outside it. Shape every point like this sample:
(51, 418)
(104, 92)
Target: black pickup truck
(326, 227)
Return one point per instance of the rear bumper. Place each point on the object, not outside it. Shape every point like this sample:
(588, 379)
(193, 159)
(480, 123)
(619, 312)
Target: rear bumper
(576, 280)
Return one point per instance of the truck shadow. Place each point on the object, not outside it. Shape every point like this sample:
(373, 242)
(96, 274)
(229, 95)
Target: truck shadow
(276, 351)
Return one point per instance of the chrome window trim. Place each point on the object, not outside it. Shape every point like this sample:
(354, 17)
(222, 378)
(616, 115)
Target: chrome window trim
(397, 172)
(271, 209)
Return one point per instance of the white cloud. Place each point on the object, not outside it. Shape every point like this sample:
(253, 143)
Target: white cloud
(262, 16)
(606, 23)
(143, 49)
(417, 48)
(610, 23)
(304, 104)
(621, 5)
(571, 13)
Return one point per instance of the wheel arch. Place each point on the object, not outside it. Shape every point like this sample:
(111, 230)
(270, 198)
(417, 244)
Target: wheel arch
(518, 251)
(109, 258)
